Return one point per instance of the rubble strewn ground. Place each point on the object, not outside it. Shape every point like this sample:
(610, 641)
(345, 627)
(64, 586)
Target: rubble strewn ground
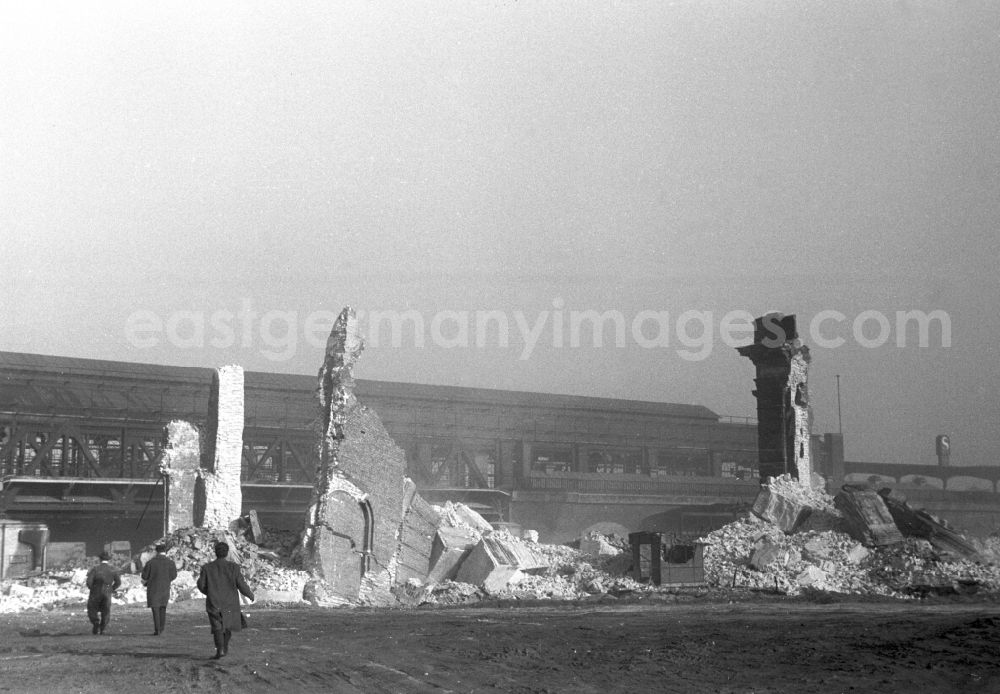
(750, 554)
(270, 569)
(822, 556)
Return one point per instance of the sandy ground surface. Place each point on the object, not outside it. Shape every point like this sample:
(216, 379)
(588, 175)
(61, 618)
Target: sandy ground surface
(762, 645)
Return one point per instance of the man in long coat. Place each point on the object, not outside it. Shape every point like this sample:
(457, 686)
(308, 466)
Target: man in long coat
(157, 575)
(222, 582)
(102, 580)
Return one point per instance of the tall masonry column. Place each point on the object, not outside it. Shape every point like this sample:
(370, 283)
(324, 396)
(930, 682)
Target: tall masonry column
(222, 457)
(783, 415)
(180, 469)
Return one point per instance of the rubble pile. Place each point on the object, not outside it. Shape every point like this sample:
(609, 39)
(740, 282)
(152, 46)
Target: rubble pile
(754, 552)
(270, 570)
(553, 572)
(846, 556)
(265, 568)
(43, 592)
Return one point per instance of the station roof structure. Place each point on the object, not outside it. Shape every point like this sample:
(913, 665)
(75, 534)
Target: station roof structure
(39, 384)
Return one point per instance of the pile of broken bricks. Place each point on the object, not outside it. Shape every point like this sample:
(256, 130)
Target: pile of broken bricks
(861, 542)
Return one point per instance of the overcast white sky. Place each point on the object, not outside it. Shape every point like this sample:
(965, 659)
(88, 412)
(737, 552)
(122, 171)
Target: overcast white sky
(184, 160)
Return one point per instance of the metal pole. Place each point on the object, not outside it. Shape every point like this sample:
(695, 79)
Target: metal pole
(840, 418)
(144, 508)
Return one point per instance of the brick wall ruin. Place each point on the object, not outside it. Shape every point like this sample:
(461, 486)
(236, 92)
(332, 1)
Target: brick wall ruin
(365, 520)
(782, 392)
(222, 460)
(202, 472)
(180, 467)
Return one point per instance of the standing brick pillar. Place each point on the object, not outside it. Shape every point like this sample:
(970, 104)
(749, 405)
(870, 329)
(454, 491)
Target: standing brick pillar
(783, 415)
(222, 460)
(180, 468)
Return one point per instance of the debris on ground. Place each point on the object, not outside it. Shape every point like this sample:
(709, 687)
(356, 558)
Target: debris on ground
(750, 554)
(270, 570)
(860, 551)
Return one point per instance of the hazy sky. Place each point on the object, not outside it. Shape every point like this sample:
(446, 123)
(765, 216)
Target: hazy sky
(204, 183)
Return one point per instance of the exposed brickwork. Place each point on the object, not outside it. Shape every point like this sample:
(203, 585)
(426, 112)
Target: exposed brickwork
(223, 455)
(355, 527)
(416, 541)
(783, 414)
(181, 465)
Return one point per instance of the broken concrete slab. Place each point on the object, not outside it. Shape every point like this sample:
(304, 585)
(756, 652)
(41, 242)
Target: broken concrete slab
(450, 548)
(918, 523)
(496, 561)
(482, 568)
(473, 518)
(866, 516)
(783, 511)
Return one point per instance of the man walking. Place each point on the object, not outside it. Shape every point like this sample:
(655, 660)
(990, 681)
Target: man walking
(102, 580)
(222, 582)
(157, 575)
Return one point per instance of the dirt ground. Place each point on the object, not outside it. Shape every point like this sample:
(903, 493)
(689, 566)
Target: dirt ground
(759, 645)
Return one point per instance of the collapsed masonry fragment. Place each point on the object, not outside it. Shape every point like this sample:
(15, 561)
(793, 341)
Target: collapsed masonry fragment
(866, 516)
(203, 484)
(918, 523)
(783, 415)
(496, 561)
(366, 528)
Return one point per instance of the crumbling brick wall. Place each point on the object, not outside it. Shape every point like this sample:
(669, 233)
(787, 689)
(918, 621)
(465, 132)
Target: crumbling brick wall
(180, 467)
(784, 419)
(356, 522)
(222, 460)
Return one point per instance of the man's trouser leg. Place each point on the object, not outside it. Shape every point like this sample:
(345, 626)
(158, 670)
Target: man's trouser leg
(105, 611)
(92, 614)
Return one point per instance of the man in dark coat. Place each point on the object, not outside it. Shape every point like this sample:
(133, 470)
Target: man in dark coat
(222, 582)
(102, 580)
(157, 575)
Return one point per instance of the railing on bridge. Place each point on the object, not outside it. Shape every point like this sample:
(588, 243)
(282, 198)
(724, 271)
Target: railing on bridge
(661, 486)
(920, 473)
(734, 419)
